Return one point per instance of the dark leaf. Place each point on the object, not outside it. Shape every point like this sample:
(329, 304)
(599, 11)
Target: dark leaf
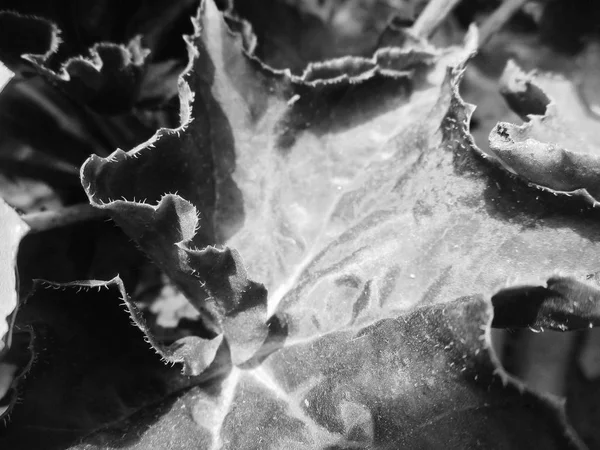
(103, 57)
(110, 73)
(292, 34)
(103, 85)
(424, 380)
(93, 367)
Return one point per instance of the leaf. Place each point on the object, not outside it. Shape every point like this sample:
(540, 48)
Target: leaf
(556, 148)
(102, 178)
(426, 379)
(92, 366)
(365, 202)
(109, 75)
(61, 131)
(108, 22)
(582, 396)
(102, 61)
(103, 81)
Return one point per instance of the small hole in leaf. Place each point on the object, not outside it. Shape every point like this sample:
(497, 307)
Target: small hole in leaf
(532, 101)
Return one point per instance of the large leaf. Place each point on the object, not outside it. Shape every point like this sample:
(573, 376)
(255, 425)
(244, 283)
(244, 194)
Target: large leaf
(367, 208)
(427, 379)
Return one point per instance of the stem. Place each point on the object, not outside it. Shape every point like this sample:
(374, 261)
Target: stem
(497, 19)
(5, 76)
(432, 16)
(48, 220)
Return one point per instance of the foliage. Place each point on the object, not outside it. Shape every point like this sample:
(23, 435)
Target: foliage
(349, 252)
